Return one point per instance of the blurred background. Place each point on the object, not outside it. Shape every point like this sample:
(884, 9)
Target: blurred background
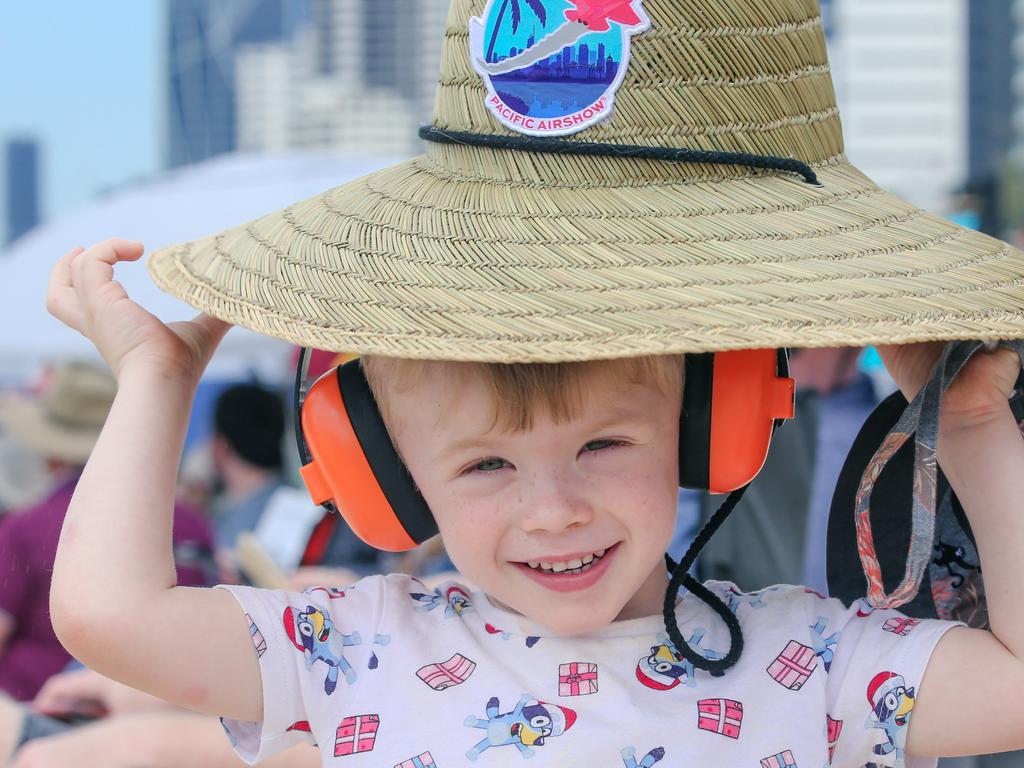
(167, 119)
(164, 120)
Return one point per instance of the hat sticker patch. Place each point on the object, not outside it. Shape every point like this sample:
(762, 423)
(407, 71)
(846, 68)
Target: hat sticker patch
(553, 67)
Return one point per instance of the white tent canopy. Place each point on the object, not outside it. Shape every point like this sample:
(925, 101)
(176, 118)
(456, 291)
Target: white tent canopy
(181, 205)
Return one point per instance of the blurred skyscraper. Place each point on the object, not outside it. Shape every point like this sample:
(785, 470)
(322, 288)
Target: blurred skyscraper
(358, 77)
(21, 187)
(204, 38)
(991, 104)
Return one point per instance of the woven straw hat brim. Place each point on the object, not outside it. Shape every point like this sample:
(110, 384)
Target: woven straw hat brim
(28, 423)
(429, 259)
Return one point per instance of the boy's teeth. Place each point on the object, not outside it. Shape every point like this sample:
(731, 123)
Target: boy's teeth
(569, 565)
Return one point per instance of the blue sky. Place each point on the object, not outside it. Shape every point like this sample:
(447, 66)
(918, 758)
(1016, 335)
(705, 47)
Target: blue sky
(85, 78)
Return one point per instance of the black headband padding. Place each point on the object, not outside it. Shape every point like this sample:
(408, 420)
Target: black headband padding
(695, 422)
(395, 481)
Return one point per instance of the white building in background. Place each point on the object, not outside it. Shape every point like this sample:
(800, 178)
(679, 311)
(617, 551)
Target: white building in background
(359, 77)
(901, 77)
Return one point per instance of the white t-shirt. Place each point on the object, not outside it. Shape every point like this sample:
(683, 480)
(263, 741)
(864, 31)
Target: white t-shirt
(389, 673)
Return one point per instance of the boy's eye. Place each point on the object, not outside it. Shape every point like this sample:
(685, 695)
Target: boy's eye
(489, 465)
(599, 445)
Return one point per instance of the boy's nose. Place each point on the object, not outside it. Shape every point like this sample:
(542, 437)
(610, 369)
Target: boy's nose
(554, 504)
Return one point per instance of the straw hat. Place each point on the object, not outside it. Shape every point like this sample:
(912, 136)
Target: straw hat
(64, 422)
(487, 248)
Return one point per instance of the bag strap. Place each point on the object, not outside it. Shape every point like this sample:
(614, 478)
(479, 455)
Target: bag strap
(921, 419)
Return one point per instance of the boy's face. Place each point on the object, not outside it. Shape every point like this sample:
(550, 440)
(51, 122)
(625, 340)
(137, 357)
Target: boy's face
(555, 496)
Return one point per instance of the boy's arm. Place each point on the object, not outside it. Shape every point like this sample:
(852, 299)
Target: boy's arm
(113, 601)
(971, 692)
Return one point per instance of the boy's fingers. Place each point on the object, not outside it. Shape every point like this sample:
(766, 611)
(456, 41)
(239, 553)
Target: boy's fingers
(92, 270)
(61, 301)
(213, 326)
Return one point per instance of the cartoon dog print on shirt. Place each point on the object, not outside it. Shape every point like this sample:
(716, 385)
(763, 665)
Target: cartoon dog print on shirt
(528, 725)
(891, 706)
(664, 668)
(312, 632)
(647, 761)
(455, 600)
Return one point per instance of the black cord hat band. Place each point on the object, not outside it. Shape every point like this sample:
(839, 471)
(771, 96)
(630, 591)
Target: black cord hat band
(623, 151)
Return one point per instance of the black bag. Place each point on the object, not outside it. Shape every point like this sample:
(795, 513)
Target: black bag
(952, 586)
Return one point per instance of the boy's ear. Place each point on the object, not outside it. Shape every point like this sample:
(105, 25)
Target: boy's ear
(353, 467)
(732, 403)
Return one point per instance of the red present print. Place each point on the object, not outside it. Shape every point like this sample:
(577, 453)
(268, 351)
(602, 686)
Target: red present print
(445, 674)
(900, 626)
(723, 716)
(357, 733)
(781, 760)
(793, 666)
(420, 761)
(577, 678)
(834, 728)
(257, 637)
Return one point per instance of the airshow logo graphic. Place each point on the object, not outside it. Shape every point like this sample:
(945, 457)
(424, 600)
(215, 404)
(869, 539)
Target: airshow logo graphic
(552, 67)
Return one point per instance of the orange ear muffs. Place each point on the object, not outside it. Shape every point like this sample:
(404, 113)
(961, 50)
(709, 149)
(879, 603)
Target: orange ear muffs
(351, 466)
(732, 403)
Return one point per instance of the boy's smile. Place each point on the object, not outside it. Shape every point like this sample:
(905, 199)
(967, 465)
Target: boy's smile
(565, 521)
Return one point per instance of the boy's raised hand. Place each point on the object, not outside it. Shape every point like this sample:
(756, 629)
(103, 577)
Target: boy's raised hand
(83, 294)
(978, 394)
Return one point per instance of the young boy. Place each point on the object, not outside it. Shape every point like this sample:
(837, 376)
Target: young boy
(554, 486)
(579, 476)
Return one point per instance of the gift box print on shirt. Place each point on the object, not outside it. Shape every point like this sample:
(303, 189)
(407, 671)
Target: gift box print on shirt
(577, 678)
(528, 725)
(900, 626)
(420, 761)
(793, 666)
(445, 674)
(722, 716)
(357, 733)
(833, 728)
(257, 637)
(781, 760)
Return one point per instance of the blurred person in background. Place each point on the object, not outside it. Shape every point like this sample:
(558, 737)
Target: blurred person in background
(309, 546)
(131, 730)
(61, 424)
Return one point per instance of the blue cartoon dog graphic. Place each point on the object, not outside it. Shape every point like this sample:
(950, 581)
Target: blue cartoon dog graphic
(526, 726)
(647, 761)
(665, 668)
(313, 633)
(891, 706)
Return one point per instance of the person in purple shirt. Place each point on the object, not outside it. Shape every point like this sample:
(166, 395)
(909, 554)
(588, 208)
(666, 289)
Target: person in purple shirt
(62, 423)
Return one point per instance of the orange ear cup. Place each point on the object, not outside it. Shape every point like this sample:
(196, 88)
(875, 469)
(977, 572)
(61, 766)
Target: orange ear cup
(340, 471)
(748, 396)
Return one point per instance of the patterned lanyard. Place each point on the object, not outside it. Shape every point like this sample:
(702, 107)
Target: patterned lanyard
(921, 419)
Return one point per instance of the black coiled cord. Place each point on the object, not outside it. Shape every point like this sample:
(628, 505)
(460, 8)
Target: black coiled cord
(681, 578)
